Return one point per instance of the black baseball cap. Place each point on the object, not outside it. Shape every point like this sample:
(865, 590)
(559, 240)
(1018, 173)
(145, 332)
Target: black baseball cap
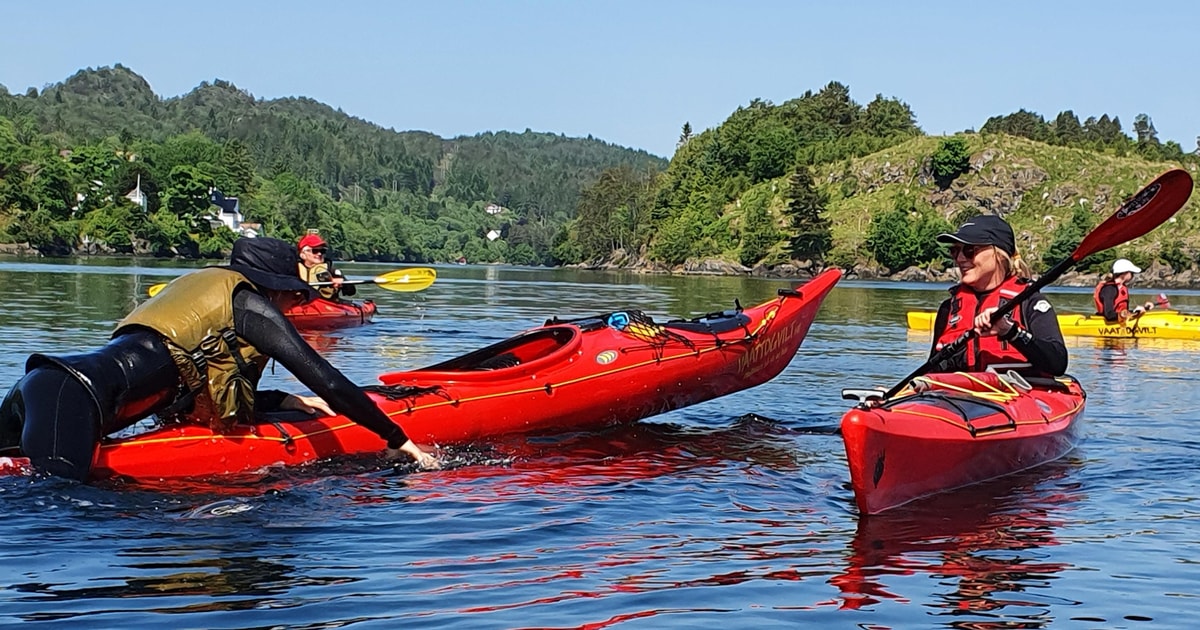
(271, 264)
(985, 229)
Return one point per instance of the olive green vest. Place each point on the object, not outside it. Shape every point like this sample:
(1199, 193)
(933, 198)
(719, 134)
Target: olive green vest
(318, 273)
(194, 314)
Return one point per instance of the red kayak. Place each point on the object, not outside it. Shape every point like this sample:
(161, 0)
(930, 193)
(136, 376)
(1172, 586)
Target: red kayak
(323, 314)
(576, 375)
(946, 431)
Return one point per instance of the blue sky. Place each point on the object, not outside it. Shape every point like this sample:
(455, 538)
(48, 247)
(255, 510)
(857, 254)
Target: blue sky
(633, 71)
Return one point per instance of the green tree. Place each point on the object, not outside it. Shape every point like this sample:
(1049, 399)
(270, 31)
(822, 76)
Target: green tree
(1148, 145)
(678, 237)
(811, 236)
(114, 224)
(1066, 130)
(950, 160)
(615, 212)
(886, 117)
(1067, 238)
(905, 235)
(236, 177)
(1172, 253)
(1104, 132)
(772, 149)
(685, 135)
(186, 194)
(758, 231)
(1022, 123)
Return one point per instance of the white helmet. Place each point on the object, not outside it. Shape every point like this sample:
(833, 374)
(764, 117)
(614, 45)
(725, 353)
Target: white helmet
(1122, 265)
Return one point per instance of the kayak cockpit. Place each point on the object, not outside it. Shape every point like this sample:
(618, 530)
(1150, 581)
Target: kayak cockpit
(525, 353)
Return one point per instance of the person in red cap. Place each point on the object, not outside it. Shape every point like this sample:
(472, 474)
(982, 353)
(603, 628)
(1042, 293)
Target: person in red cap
(985, 252)
(1112, 294)
(314, 267)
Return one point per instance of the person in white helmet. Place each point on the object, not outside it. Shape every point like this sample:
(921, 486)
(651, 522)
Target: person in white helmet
(1112, 294)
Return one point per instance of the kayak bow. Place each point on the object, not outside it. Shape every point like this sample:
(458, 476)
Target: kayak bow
(324, 314)
(947, 431)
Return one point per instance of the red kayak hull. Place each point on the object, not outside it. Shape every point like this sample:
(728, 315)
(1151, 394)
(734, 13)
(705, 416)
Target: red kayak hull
(564, 376)
(323, 314)
(963, 429)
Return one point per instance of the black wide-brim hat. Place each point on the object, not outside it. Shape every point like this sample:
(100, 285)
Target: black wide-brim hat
(269, 263)
(985, 229)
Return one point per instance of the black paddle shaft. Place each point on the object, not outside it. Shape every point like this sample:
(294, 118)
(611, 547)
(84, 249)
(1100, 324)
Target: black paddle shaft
(957, 345)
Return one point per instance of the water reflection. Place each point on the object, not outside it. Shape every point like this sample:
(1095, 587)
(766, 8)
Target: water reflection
(640, 451)
(984, 547)
(228, 579)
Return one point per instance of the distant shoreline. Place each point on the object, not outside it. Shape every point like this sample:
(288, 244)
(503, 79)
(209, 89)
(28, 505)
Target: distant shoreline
(1156, 277)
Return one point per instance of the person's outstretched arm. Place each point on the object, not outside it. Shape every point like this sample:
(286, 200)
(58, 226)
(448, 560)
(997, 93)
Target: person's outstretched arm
(259, 322)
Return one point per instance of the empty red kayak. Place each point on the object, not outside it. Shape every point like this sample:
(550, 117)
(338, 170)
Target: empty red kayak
(323, 314)
(574, 375)
(946, 431)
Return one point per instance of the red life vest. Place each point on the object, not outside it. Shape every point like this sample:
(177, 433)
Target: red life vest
(965, 305)
(1120, 305)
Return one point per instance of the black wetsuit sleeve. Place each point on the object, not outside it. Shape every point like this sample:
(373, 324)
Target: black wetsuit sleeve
(1108, 297)
(347, 289)
(1043, 345)
(260, 323)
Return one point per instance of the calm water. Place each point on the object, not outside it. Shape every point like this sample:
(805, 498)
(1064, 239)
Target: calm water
(734, 512)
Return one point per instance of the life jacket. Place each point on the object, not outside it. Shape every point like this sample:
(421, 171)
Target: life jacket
(1120, 305)
(219, 370)
(965, 305)
(318, 273)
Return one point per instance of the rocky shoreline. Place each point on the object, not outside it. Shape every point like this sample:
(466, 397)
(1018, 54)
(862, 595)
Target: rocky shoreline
(1155, 276)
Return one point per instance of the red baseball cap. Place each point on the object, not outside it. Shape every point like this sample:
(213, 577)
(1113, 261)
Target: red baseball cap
(310, 240)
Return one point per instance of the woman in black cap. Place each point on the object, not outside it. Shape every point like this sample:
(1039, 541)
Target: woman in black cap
(985, 253)
(194, 352)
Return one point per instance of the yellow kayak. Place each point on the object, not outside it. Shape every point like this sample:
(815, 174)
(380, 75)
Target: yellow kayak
(1164, 324)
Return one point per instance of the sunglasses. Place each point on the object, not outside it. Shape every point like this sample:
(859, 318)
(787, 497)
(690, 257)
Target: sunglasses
(966, 250)
(319, 250)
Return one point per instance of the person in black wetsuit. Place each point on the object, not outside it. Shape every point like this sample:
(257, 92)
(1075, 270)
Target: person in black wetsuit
(194, 352)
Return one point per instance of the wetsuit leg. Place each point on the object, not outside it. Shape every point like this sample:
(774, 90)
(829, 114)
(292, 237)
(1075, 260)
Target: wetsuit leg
(66, 404)
(61, 422)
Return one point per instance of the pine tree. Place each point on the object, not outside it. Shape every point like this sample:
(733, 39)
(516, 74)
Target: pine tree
(685, 135)
(1066, 129)
(811, 235)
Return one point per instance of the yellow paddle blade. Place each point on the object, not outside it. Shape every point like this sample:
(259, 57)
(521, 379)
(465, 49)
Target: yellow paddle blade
(415, 279)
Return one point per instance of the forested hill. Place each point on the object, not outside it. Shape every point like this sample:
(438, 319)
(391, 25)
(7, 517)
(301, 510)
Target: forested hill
(818, 180)
(822, 180)
(295, 163)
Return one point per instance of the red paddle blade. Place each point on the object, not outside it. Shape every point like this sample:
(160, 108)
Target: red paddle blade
(1146, 210)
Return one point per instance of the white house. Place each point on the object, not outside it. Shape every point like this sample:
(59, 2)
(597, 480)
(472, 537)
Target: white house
(230, 214)
(137, 196)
